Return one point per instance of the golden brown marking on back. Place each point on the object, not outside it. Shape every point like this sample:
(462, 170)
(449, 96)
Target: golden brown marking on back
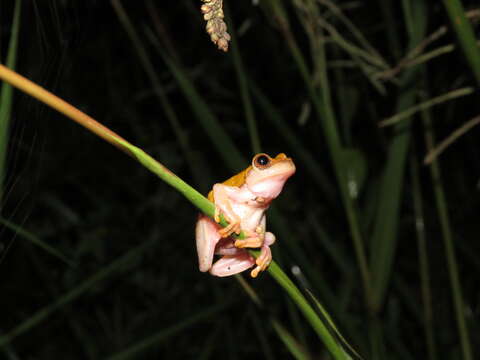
(236, 180)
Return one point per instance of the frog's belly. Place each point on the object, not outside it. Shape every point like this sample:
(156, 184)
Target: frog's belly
(250, 217)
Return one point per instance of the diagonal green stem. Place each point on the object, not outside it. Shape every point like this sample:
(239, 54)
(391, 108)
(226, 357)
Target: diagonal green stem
(197, 199)
(423, 260)
(465, 34)
(6, 97)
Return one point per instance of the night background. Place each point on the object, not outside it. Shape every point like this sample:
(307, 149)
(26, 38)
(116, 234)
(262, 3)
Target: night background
(97, 254)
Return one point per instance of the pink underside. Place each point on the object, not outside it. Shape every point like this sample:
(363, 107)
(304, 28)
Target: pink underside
(232, 264)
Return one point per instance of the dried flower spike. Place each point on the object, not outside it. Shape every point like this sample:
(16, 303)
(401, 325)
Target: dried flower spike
(213, 13)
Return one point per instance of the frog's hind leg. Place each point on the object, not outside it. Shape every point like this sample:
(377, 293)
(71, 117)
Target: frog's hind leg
(207, 237)
(232, 264)
(265, 257)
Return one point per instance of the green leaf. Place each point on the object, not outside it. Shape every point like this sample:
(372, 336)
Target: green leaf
(6, 96)
(297, 351)
(384, 238)
(35, 240)
(466, 36)
(164, 334)
(42, 314)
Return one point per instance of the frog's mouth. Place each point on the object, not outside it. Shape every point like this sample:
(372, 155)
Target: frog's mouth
(268, 183)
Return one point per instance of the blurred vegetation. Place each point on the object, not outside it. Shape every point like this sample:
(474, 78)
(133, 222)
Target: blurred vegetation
(97, 257)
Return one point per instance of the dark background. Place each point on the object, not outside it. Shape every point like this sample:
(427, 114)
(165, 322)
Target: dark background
(83, 197)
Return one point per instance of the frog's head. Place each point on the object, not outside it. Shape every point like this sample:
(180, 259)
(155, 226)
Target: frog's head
(267, 175)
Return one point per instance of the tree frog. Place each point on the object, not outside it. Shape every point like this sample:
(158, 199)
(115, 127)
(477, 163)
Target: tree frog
(242, 200)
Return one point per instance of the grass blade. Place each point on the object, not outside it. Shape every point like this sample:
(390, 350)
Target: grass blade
(434, 153)
(158, 89)
(35, 240)
(6, 96)
(299, 150)
(219, 137)
(262, 336)
(297, 351)
(384, 238)
(405, 114)
(134, 350)
(330, 323)
(325, 112)
(450, 256)
(245, 92)
(423, 261)
(42, 314)
(465, 35)
(318, 325)
(166, 175)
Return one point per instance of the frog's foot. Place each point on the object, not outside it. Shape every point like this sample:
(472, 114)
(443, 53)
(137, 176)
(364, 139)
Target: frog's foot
(262, 261)
(232, 264)
(253, 240)
(232, 227)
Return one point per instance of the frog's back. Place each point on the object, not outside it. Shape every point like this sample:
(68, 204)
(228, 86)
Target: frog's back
(236, 180)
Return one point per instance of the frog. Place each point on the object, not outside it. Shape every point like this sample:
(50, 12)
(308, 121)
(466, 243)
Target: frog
(242, 201)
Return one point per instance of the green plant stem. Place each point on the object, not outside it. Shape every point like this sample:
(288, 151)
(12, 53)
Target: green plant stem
(326, 117)
(197, 199)
(389, 23)
(297, 351)
(134, 350)
(70, 296)
(35, 240)
(465, 35)
(385, 232)
(288, 133)
(423, 260)
(432, 154)
(158, 89)
(6, 97)
(405, 114)
(448, 243)
(284, 281)
(245, 92)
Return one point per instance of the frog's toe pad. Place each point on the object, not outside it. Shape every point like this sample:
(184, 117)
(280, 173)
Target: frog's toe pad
(232, 264)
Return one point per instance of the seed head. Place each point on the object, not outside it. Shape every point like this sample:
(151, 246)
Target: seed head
(217, 29)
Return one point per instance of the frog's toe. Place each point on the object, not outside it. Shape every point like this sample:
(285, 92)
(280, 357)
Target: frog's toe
(251, 242)
(233, 227)
(216, 214)
(254, 273)
(264, 259)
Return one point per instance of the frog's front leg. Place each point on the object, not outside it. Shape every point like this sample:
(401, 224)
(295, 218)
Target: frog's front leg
(224, 197)
(265, 257)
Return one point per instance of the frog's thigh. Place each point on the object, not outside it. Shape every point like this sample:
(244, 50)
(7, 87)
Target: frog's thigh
(230, 265)
(206, 235)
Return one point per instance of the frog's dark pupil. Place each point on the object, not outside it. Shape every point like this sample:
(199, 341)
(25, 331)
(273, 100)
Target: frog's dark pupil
(262, 160)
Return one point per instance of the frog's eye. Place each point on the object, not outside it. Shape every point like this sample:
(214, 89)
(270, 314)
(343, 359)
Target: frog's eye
(261, 161)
